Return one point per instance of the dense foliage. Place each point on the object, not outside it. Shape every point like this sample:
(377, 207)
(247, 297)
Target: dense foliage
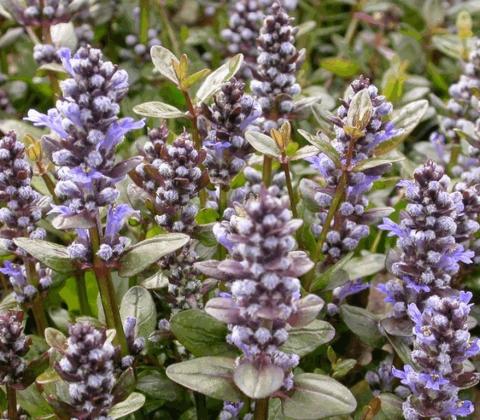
(239, 209)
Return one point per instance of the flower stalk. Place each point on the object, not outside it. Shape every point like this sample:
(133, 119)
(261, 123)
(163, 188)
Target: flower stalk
(107, 292)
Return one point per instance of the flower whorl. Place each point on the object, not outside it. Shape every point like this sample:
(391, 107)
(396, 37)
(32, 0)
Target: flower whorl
(262, 273)
(86, 120)
(179, 179)
(13, 346)
(351, 221)
(442, 344)
(278, 61)
(429, 254)
(230, 117)
(88, 367)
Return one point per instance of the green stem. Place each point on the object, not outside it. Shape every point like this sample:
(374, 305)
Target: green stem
(48, 182)
(3, 61)
(339, 193)
(267, 170)
(107, 292)
(200, 406)
(82, 294)
(12, 403)
(166, 24)
(144, 21)
(291, 192)
(197, 140)
(37, 304)
(222, 205)
(261, 409)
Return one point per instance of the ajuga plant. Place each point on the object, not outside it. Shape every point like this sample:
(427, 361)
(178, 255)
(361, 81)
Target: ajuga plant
(263, 296)
(230, 116)
(441, 346)
(22, 209)
(343, 219)
(426, 240)
(13, 347)
(87, 130)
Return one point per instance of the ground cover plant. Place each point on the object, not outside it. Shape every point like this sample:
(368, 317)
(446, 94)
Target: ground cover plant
(249, 209)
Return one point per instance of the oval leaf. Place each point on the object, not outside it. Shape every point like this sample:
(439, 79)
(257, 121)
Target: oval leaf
(263, 143)
(407, 118)
(200, 333)
(215, 80)
(317, 397)
(304, 340)
(138, 302)
(256, 382)
(362, 323)
(149, 251)
(134, 402)
(162, 59)
(323, 144)
(52, 255)
(212, 376)
(158, 110)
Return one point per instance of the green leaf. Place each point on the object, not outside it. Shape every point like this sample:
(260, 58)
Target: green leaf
(212, 376)
(134, 402)
(323, 144)
(360, 111)
(162, 59)
(365, 265)
(207, 215)
(54, 256)
(448, 44)
(362, 323)
(391, 407)
(374, 162)
(145, 253)
(138, 303)
(217, 78)
(342, 367)
(55, 338)
(304, 340)
(263, 143)
(258, 382)
(305, 152)
(339, 66)
(195, 78)
(407, 118)
(156, 109)
(317, 397)
(124, 385)
(155, 384)
(333, 277)
(33, 402)
(158, 281)
(200, 333)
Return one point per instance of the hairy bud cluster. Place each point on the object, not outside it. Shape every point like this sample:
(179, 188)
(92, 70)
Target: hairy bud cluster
(230, 117)
(13, 346)
(278, 61)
